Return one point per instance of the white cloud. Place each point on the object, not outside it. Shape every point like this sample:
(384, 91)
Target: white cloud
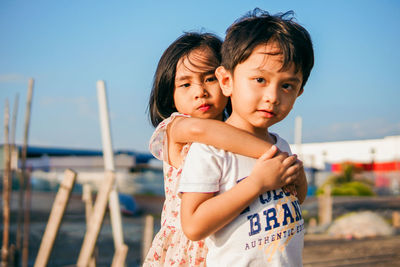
(13, 78)
(83, 105)
(371, 129)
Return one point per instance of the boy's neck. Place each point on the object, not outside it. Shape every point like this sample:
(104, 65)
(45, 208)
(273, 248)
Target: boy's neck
(261, 133)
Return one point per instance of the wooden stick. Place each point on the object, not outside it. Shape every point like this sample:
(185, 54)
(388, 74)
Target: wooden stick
(6, 191)
(22, 177)
(325, 206)
(87, 198)
(14, 153)
(14, 119)
(55, 218)
(120, 256)
(396, 219)
(147, 235)
(27, 218)
(108, 155)
(96, 220)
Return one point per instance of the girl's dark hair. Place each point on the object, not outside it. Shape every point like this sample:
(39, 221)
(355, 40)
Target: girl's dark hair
(161, 102)
(259, 27)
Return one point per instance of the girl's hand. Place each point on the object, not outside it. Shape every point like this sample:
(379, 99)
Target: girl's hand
(274, 170)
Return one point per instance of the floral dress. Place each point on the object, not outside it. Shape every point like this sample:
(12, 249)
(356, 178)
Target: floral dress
(170, 246)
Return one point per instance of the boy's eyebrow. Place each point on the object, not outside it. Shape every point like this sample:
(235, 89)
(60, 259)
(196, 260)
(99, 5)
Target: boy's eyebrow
(293, 79)
(290, 78)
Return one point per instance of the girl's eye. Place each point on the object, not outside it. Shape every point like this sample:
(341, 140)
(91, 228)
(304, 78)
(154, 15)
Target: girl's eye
(185, 85)
(260, 80)
(211, 79)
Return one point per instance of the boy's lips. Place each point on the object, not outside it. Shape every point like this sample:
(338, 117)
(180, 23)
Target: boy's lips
(267, 113)
(204, 107)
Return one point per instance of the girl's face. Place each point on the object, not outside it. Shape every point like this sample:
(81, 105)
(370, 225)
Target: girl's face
(197, 92)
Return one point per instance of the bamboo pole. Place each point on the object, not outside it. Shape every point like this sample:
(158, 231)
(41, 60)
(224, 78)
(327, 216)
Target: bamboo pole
(120, 256)
(108, 155)
(96, 220)
(147, 235)
(22, 175)
(87, 198)
(6, 191)
(55, 218)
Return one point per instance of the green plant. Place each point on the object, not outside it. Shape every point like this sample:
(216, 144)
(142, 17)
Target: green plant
(343, 184)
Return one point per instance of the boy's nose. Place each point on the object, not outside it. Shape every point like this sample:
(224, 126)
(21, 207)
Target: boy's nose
(271, 95)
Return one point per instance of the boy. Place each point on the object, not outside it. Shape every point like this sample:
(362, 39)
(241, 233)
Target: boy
(266, 61)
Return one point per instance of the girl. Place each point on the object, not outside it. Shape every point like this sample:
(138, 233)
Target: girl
(185, 82)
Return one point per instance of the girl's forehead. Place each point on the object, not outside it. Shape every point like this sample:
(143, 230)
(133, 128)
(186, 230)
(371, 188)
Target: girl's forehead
(199, 60)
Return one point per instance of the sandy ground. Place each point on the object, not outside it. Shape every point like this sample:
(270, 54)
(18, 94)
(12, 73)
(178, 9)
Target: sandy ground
(319, 250)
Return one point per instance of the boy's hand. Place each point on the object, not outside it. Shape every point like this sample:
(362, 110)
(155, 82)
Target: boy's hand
(293, 172)
(274, 170)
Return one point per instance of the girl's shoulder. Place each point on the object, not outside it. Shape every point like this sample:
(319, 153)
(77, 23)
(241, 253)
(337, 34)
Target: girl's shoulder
(158, 141)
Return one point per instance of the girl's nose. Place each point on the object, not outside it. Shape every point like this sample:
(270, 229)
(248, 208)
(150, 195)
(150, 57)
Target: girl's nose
(201, 91)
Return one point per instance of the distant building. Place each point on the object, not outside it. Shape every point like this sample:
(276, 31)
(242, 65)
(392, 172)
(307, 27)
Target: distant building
(56, 159)
(373, 154)
(379, 158)
(134, 170)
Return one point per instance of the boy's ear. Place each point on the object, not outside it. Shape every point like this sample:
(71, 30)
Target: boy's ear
(300, 92)
(225, 80)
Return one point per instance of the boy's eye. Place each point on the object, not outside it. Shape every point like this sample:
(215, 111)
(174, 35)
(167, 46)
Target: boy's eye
(287, 86)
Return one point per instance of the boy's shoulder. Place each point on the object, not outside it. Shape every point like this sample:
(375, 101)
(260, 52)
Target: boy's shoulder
(281, 143)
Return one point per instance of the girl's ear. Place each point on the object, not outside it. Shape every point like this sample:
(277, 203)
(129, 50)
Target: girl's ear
(225, 80)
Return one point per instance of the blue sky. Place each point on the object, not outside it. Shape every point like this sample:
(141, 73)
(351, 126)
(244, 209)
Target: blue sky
(66, 46)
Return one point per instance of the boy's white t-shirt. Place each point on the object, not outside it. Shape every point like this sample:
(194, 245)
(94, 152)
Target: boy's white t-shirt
(270, 232)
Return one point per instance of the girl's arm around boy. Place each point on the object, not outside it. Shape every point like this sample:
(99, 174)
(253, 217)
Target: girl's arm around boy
(202, 214)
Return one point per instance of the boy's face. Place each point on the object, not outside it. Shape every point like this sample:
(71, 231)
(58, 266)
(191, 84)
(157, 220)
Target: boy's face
(261, 93)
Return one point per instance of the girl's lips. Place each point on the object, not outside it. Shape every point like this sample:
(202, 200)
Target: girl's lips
(204, 107)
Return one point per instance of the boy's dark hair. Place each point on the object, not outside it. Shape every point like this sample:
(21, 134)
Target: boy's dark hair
(161, 103)
(259, 27)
